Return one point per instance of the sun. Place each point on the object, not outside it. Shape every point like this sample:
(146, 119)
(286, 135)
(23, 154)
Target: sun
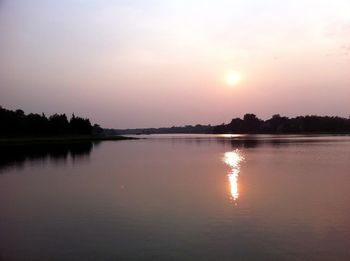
(233, 78)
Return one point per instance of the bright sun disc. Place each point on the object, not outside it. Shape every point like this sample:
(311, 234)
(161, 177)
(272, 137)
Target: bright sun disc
(233, 78)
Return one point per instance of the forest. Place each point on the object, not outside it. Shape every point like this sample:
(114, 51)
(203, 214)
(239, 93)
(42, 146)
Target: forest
(283, 125)
(18, 124)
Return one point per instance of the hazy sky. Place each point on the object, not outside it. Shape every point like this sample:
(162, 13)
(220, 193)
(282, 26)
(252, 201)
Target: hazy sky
(163, 63)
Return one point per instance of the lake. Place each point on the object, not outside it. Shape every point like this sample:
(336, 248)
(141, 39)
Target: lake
(178, 197)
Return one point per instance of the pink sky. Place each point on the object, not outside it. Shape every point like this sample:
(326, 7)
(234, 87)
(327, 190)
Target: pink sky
(128, 64)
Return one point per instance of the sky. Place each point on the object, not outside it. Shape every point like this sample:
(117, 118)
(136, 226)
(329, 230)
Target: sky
(138, 63)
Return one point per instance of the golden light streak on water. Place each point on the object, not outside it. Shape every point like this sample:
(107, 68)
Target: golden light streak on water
(233, 159)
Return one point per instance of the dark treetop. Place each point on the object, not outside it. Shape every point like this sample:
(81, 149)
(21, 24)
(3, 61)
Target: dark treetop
(278, 124)
(18, 124)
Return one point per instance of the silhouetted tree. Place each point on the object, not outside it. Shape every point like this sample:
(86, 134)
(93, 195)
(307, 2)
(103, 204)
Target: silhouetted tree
(16, 123)
(59, 123)
(97, 130)
(276, 124)
(251, 124)
(79, 125)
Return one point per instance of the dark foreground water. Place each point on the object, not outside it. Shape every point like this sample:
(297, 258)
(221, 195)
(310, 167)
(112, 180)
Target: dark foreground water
(178, 198)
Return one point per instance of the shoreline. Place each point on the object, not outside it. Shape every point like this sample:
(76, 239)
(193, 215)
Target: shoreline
(60, 139)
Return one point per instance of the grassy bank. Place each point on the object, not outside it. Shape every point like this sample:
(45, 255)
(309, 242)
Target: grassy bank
(59, 139)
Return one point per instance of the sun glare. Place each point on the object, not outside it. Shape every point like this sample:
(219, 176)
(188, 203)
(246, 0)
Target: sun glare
(233, 159)
(233, 78)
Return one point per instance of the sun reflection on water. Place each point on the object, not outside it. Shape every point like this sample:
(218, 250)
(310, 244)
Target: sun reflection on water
(233, 159)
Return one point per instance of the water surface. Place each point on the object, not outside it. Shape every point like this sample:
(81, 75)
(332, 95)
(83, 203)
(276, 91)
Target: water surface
(178, 197)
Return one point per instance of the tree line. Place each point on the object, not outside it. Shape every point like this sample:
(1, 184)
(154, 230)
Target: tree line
(279, 125)
(250, 123)
(17, 123)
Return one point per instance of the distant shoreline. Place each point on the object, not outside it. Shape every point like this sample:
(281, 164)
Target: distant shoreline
(60, 139)
(251, 124)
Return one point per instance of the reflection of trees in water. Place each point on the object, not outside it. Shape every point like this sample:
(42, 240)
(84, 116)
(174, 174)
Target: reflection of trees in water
(251, 141)
(18, 155)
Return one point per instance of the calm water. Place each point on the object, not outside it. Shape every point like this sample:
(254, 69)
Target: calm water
(184, 197)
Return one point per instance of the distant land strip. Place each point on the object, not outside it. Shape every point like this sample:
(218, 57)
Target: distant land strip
(251, 124)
